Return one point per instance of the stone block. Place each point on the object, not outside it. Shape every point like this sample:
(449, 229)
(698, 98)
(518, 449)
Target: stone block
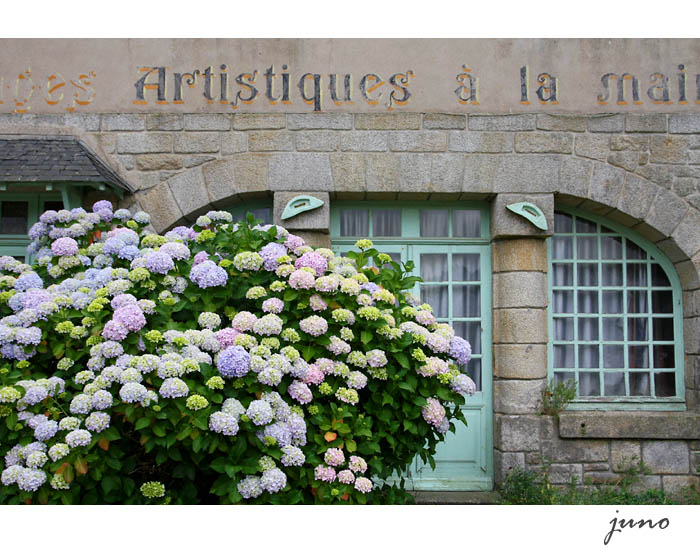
(624, 453)
(686, 234)
(694, 461)
(506, 223)
(693, 200)
(160, 203)
(480, 142)
(317, 219)
(197, 142)
(220, 180)
(251, 171)
(691, 335)
(597, 467)
(606, 123)
(148, 179)
(520, 361)
(519, 254)
(601, 478)
(194, 161)
(164, 121)
(190, 192)
(606, 184)
(207, 122)
(300, 172)
(479, 173)
(123, 121)
(629, 425)
(444, 121)
(382, 172)
(270, 141)
(517, 433)
(560, 450)
(626, 160)
(129, 162)
(659, 174)
(678, 485)
(688, 273)
(526, 173)
(666, 457)
(646, 123)
(446, 172)
(683, 186)
(668, 149)
(575, 176)
(364, 141)
(157, 162)
(233, 143)
(165, 175)
(519, 289)
(513, 396)
(684, 123)
(154, 142)
(533, 458)
(691, 306)
(544, 142)
(646, 482)
(317, 141)
(670, 248)
(414, 172)
(563, 123)
(666, 212)
(88, 123)
(502, 122)
(418, 141)
(636, 196)
(107, 141)
(316, 121)
(506, 463)
(253, 121)
(629, 142)
(382, 121)
(316, 239)
(565, 473)
(592, 146)
(348, 172)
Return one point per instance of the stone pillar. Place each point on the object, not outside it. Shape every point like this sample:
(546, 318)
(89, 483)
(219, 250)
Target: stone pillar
(520, 296)
(314, 226)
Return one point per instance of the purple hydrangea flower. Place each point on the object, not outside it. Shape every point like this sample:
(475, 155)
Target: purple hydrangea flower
(233, 361)
(244, 321)
(177, 251)
(249, 487)
(460, 350)
(207, 275)
(159, 262)
(27, 281)
(463, 385)
(132, 392)
(223, 423)
(46, 430)
(173, 387)
(78, 438)
(273, 480)
(363, 484)
(346, 477)
(273, 305)
(292, 456)
(334, 457)
(130, 316)
(280, 431)
(260, 412)
(357, 464)
(326, 474)
(268, 325)
(114, 330)
(433, 412)
(64, 247)
(30, 480)
(300, 392)
(314, 325)
(314, 260)
(97, 422)
(270, 253)
(302, 280)
(227, 337)
(200, 257)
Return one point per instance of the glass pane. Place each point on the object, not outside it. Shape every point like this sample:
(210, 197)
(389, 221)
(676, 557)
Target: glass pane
(661, 301)
(665, 384)
(637, 328)
(474, 371)
(638, 357)
(614, 383)
(639, 384)
(563, 247)
(612, 274)
(433, 267)
(436, 296)
(636, 274)
(564, 376)
(563, 328)
(587, 248)
(354, 223)
(563, 301)
(614, 356)
(563, 274)
(589, 384)
(658, 276)
(466, 268)
(637, 301)
(663, 329)
(53, 205)
(434, 223)
(563, 355)
(588, 356)
(611, 247)
(14, 216)
(612, 301)
(664, 357)
(587, 301)
(470, 331)
(466, 301)
(386, 223)
(563, 223)
(634, 251)
(263, 214)
(585, 226)
(588, 328)
(466, 223)
(396, 257)
(587, 274)
(613, 329)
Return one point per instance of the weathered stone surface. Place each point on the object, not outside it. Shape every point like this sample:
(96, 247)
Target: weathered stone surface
(519, 254)
(526, 173)
(596, 466)
(575, 176)
(666, 457)
(624, 453)
(308, 121)
(683, 186)
(165, 175)
(513, 326)
(688, 273)
(517, 433)
(314, 238)
(677, 485)
(107, 141)
(348, 172)
(444, 121)
(382, 172)
(364, 141)
(318, 219)
(646, 482)
(270, 141)
(446, 172)
(194, 161)
(691, 306)
(666, 212)
(252, 121)
(544, 142)
(686, 234)
(627, 160)
(129, 162)
(189, 190)
(691, 335)
(160, 203)
(123, 122)
(600, 477)
(156, 142)
(669, 248)
(606, 123)
(147, 179)
(606, 184)
(480, 142)
(164, 121)
(156, 162)
(197, 142)
(414, 172)
(512, 396)
(659, 174)
(636, 196)
(519, 289)
(251, 172)
(233, 142)
(317, 141)
(629, 142)
(300, 172)
(684, 123)
(564, 473)
(646, 123)
(594, 147)
(505, 463)
(220, 180)
(502, 122)
(506, 223)
(568, 123)
(556, 449)
(418, 141)
(88, 123)
(667, 149)
(629, 425)
(520, 361)
(207, 122)
(381, 121)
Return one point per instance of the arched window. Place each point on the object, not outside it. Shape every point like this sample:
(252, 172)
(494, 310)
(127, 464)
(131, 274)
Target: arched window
(615, 316)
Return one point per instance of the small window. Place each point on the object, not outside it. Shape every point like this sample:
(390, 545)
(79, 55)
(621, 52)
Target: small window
(261, 210)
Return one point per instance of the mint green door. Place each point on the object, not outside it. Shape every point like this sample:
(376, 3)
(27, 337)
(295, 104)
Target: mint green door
(449, 246)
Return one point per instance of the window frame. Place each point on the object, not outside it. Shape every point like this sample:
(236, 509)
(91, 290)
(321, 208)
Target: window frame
(676, 402)
(16, 244)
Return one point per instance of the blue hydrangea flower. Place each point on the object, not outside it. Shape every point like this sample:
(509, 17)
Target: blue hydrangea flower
(223, 423)
(273, 480)
(208, 275)
(249, 487)
(233, 361)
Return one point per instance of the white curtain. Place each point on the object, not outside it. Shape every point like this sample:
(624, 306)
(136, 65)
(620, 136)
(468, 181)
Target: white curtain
(386, 223)
(354, 223)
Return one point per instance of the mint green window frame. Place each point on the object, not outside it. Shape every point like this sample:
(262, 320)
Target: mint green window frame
(653, 257)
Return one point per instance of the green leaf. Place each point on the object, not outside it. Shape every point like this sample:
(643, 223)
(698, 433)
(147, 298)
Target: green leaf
(387, 399)
(11, 420)
(366, 337)
(201, 422)
(111, 434)
(403, 360)
(159, 430)
(351, 446)
(142, 423)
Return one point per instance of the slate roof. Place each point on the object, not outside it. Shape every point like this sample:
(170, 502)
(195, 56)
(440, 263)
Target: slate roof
(54, 159)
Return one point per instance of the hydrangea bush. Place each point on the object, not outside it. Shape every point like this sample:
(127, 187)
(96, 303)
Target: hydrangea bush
(220, 363)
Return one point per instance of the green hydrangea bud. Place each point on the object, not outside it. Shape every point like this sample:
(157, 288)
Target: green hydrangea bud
(239, 383)
(364, 244)
(278, 286)
(93, 340)
(157, 408)
(153, 336)
(132, 224)
(269, 441)
(266, 463)
(64, 327)
(215, 383)
(243, 418)
(88, 322)
(139, 274)
(271, 342)
(196, 402)
(206, 235)
(313, 409)
(153, 490)
(325, 389)
(5, 410)
(419, 355)
(9, 394)
(296, 408)
(335, 492)
(225, 263)
(290, 335)
(22, 364)
(78, 332)
(65, 364)
(384, 258)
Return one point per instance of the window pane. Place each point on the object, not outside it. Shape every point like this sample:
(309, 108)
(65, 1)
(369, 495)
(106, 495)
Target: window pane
(563, 223)
(474, 371)
(661, 301)
(612, 274)
(563, 301)
(263, 214)
(14, 216)
(354, 223)
(612, 301)
(53, 205)
(636, 274)
(563, 274)
(634, 251)
(434, 223)
(386, 223)
(639, 384)
(396, 257)
(663, 329)
(587, 274)
(471, 332)
(563, 355)
(588, 328)
(466, 268)
(585, 226)
(665, 384)
(611, 247)
(433, 267)
(589, 384)
(638, 357)
(613, 328)
(436, 297)
(563, 247)
(664, 357)
(466, 301)
(614, 356)
(637, 301)
(564, 376)
(658, 276)
(563, 328)
(587, 301)
(637, 328)
(614, 383)
(466, 223)
(587, 248)
(588, 356)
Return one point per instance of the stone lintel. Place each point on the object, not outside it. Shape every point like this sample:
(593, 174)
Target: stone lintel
(629, 424)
